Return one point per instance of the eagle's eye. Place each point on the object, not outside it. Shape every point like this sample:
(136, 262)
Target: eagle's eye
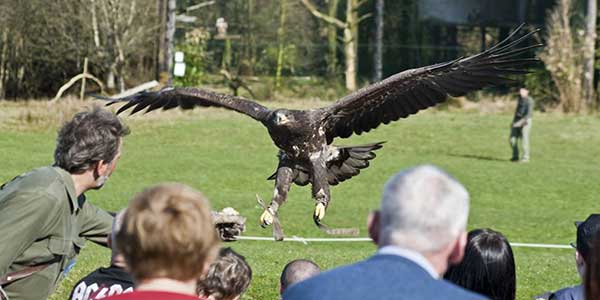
(281, 118)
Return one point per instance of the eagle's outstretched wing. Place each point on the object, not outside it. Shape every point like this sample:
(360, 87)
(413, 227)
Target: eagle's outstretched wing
(408, 92)
(187, 98)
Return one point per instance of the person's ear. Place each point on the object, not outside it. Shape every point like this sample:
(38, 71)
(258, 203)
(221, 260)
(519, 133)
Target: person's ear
(374, 225)
(579, 259)
(458, 250)
(109, 240)
(100, 168)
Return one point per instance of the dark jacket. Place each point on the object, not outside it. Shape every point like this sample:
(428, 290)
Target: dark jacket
(102, 283)
(524, 109)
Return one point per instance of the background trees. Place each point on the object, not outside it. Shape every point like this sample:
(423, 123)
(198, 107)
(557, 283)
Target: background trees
(334, 42)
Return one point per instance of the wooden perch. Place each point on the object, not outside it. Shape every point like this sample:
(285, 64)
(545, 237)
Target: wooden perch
(75, 79)
(142, 87)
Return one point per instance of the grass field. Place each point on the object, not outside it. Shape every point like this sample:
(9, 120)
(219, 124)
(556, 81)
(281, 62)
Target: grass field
(228, 157)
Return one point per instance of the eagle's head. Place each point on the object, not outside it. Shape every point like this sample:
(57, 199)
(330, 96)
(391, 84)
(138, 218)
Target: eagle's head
(282, 117)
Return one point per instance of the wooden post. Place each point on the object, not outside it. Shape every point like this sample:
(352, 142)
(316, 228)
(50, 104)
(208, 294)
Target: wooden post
(85, 73)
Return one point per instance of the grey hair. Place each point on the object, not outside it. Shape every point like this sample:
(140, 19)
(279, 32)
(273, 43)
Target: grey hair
(423, 209)
(90, 137)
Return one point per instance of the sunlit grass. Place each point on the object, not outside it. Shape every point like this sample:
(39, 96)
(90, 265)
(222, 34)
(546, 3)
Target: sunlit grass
(228, 157)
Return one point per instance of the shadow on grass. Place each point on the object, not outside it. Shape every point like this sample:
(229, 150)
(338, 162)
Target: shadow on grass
(478, 157)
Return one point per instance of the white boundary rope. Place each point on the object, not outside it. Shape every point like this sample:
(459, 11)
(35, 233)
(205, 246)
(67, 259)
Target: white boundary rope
(305, 241)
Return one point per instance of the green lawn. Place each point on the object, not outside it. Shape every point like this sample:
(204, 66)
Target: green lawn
(228, 157)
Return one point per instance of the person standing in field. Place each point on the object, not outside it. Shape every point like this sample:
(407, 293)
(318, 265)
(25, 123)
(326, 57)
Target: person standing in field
(521, 126)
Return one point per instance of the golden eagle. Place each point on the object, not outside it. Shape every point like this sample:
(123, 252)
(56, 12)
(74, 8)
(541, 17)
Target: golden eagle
(304, 137)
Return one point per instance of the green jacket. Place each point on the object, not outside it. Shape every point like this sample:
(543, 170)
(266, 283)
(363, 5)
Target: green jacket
(42, 220)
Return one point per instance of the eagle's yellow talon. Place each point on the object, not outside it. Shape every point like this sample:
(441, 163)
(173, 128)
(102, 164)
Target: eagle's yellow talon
(266, 218)
(319, 211)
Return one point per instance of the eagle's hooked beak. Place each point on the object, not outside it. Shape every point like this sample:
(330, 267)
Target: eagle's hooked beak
(282, 119)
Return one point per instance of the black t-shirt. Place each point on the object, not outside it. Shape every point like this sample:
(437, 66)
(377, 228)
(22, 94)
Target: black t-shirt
(102, 283)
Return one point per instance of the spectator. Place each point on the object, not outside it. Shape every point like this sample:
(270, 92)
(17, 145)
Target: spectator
(521, 126)
(586, 232)
(420, 229)
(44, 216)
(296, 271)
(488, 267)
(168, 241)
(227, 278)
(592, 272)
(109, 281)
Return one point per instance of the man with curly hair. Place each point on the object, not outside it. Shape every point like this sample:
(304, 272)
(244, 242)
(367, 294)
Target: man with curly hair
(44, 216)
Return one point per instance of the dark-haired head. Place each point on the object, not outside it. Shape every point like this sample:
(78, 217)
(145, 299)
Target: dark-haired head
(488, 266)
(87, 139)
(591, 280)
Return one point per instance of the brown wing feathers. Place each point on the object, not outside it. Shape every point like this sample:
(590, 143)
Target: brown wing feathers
(188, 98)
(408, 92)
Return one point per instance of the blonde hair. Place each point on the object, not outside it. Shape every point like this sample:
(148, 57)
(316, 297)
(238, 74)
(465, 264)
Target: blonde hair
(168, 232)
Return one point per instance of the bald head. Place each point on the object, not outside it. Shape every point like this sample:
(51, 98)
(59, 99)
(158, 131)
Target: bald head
(296, 271)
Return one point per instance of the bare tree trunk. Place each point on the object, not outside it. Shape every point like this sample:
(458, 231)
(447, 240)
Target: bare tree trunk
(562, 59)
(332, 40)
(110, 77)
(378, 53)
(161, 66)
(351, 45)
(589, 52)
(350, 28)
(250, 51)
(170, 37)
(3, 59)
(95, 24)
(280, 37)
(20, 69)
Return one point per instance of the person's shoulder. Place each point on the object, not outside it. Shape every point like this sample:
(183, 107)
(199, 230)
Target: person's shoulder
(41, 176)
(314, 287)
(453, 291)
(373, 273)
(41, 181)
(102, 282)
(151, 295)
(109, 275)
(569, 293)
